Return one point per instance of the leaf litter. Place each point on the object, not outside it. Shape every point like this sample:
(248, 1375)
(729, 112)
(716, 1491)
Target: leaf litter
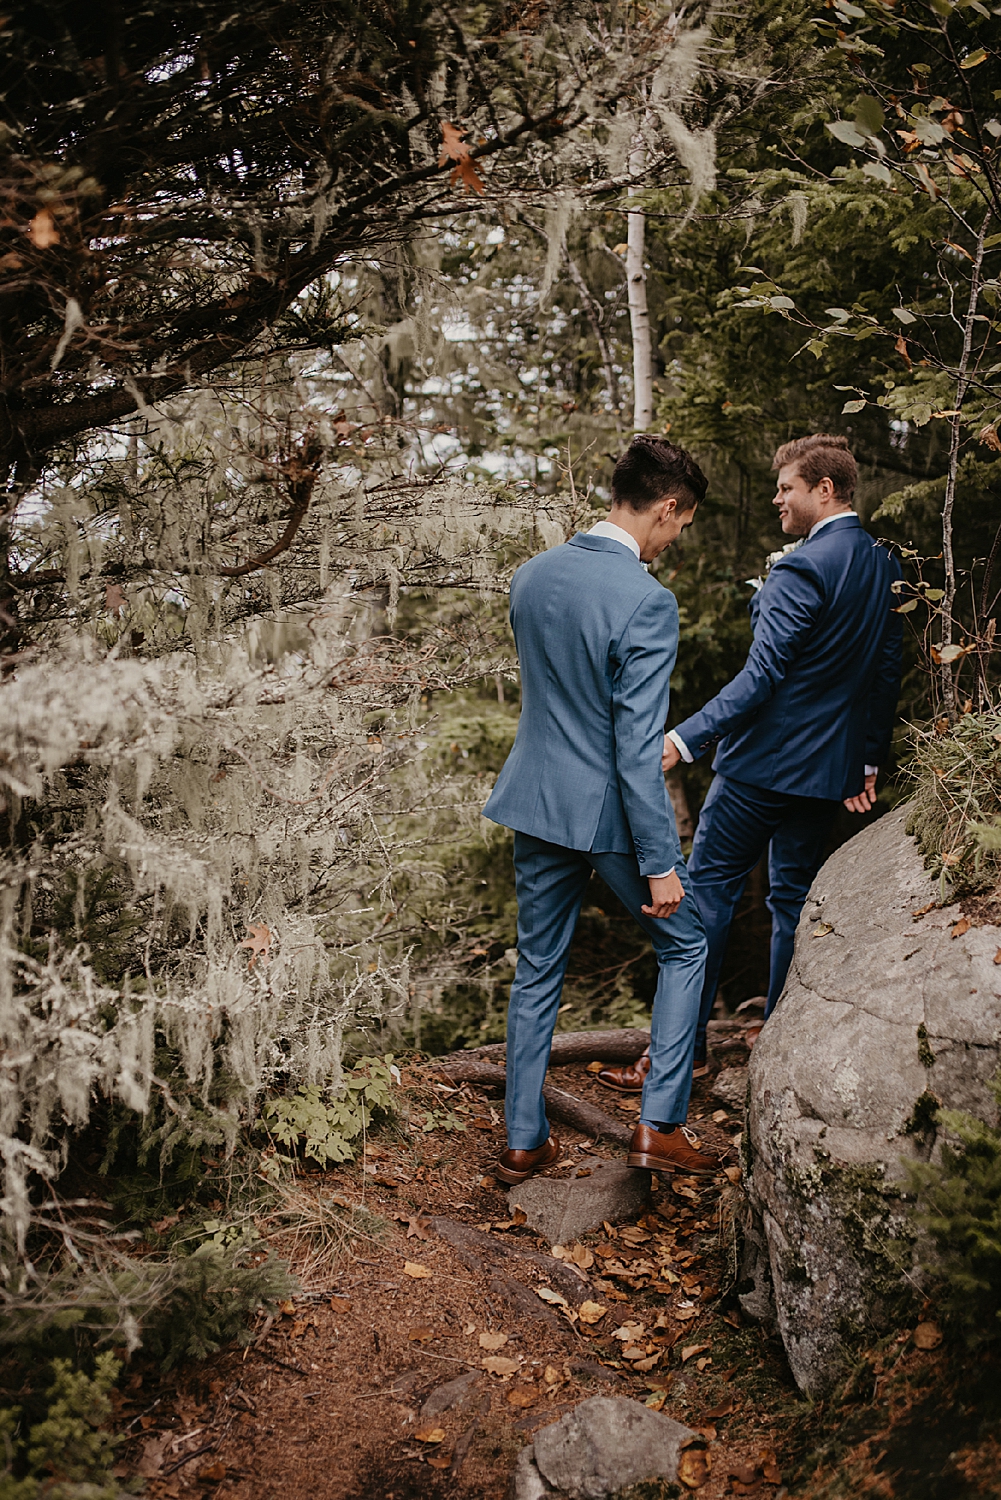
(331, 1398)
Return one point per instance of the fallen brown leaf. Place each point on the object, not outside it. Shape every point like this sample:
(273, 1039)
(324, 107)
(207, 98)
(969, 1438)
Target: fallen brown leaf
(213, 1473)
(498, 1364)
(734, 1173)
(415, 1269)
(492, 1340)
(927, 1336)
(153, 1451)
(430, 1435)
(648, 1363)
(440, 1461)
(522, 1395)
(420, 1335)
(693, 1349)
(591, 1312)
(963, 925)
(770, 1471)
(723, 1410)
(694, 1466)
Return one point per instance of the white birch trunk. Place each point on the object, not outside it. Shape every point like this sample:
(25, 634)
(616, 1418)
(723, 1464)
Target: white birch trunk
(639, 316)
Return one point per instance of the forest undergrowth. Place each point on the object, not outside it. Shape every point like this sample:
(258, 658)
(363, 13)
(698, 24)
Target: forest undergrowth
(421, 1332)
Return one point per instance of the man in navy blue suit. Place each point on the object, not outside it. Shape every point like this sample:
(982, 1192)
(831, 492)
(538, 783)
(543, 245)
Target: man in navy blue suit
(584, 791)
(803, 726)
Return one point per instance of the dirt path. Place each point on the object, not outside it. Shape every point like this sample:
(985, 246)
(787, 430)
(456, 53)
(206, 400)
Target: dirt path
(421, 1356)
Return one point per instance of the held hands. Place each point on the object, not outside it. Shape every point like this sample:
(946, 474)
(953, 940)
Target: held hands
(865, 800)
(671, 755)
(666, 895)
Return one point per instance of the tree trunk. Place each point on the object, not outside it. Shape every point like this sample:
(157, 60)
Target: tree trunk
(948, 669)
(639, 316)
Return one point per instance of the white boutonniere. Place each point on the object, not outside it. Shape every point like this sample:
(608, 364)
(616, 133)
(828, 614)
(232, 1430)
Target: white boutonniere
(772, 559)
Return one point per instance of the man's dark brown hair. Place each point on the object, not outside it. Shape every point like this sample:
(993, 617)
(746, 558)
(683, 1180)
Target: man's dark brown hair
(821, 456)
(652, 469)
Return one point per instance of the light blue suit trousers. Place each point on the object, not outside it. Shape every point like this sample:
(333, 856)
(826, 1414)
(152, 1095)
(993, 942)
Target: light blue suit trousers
(551, 881)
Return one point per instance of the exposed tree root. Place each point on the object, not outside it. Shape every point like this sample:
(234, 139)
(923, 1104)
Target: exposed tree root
(584, 1117)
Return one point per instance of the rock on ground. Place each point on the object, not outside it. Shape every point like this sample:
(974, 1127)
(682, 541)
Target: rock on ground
(561, 1209)
(884, 1017)
(603, 1445)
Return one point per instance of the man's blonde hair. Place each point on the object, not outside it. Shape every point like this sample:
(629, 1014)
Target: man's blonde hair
(821, 456)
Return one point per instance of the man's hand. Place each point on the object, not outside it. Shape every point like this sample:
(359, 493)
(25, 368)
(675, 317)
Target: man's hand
(865, 800)
(666, 895)
(671, 755)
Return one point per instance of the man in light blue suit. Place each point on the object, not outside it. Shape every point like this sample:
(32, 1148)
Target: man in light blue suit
(584, 791)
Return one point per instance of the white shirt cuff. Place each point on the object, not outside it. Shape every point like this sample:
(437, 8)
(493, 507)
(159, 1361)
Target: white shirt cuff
(676, 739)
(871, 770)
(663, 875)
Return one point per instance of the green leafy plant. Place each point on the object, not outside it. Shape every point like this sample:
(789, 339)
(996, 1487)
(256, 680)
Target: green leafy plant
(442, 1119)
(325, 1122)
(959, 1207)
(71, 1446)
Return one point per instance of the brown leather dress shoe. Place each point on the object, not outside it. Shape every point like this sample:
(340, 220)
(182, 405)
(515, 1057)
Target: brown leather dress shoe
(670, 1151)
(630, 1078)
(519, 1166)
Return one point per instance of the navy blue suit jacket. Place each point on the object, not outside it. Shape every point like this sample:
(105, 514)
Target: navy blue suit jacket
(816, 699)
(597, 638)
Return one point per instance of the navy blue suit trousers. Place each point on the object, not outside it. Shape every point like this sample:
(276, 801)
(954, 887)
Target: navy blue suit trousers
(737, 824)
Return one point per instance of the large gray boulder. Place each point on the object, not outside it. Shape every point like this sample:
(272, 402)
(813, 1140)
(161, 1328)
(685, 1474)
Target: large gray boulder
(885, 1015)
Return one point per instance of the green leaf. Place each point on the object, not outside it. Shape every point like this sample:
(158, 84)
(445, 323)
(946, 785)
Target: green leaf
(934, 594)
(782, 302)
(879, 170)
(991, 241)
(904, 315)
(850, 406)
(844, 130)
(974, 59)
(816, 347)
(869, 116)
(842, 316)
(905, 609)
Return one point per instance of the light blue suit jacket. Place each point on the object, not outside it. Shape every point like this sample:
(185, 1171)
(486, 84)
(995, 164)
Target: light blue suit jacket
(597, 638)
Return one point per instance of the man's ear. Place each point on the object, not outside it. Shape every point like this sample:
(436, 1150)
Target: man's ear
(667, 507)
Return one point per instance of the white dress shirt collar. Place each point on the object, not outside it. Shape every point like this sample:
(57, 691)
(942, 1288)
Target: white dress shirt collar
(826, 522)
(616, 534)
